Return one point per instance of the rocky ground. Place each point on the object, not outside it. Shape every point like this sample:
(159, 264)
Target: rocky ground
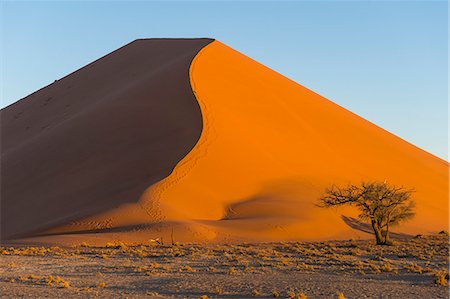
(412, 268)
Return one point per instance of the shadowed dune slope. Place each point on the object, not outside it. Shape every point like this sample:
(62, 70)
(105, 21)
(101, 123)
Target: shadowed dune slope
(99, 137)
(268, 148)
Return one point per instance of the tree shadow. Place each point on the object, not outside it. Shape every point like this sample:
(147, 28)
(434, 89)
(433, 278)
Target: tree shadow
(365, 227)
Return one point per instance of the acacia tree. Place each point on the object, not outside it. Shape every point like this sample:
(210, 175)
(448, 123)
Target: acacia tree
(381, 204)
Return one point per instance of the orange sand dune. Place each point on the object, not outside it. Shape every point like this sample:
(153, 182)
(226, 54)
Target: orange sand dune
(271, 147)
(268, 149)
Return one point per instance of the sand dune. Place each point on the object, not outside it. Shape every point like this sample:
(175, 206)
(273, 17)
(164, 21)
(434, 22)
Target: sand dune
(250, 167)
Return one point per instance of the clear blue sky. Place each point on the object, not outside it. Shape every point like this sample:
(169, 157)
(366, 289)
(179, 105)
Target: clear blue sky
(384, 60)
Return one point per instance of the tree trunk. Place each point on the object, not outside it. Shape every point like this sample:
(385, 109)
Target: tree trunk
(378, 234)
(387, 240)
(386, 234)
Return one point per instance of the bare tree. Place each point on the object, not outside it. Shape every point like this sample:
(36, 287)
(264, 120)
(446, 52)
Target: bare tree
(381, 204)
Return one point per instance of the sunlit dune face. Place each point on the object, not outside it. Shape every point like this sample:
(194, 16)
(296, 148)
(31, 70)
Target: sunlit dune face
(269, 147)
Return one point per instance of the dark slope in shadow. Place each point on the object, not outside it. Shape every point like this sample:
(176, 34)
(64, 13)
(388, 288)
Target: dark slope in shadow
(364, 227)
(98, 137)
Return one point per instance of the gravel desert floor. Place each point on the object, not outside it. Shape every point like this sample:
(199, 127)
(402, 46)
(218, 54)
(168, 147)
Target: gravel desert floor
(411, 268)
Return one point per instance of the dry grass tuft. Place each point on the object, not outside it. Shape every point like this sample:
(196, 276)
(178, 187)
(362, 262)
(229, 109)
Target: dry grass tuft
(291, 294)
(101, 285)
(414, 268)
(187, 268)
(340, 295)
(61, 282)
(440, 278)
(256, 293)
(50, 280)
(152, 294)
(218, 291)
(387, 267)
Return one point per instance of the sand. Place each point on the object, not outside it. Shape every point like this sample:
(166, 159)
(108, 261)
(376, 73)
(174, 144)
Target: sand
(237, 152)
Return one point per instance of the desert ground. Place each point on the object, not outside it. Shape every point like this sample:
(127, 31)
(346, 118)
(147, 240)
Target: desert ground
(411, 268)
